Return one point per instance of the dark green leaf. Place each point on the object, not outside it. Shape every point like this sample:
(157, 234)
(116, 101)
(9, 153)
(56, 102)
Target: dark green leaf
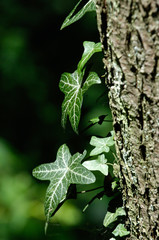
(71, 18)
(71, 86)
(64, 171)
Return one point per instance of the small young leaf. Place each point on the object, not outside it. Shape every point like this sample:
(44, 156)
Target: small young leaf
(94, 120)
(111, 217)
(112, 239)
(120, 230)
(97, 165)
(101, 145)
(114, 185)
(98, 120)
(112, 133)
(88, 7)
(89, 49)
(64, 171)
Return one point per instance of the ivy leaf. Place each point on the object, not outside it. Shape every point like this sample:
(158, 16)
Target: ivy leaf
(70, 85)
(88, 7)
(120, 230)
(98, 120)
(97, 165)
(94, 120)
(114, 185)
(64, 171)
(89, 49)
(112, 217)
(91, 80)
(101, 145)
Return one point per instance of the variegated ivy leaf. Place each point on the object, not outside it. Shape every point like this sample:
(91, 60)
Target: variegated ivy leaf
(101, 145)
(64, 171)
(89, 49)
(111, 217)
(71, 86)
(91, 80)
(120, 230)
(97, 165)
(88, 7)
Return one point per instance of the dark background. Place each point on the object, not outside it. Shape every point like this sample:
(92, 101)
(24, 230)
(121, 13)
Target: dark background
(33, 55)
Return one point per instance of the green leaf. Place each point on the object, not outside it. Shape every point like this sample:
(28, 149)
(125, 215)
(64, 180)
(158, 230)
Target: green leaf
(70, 85)
(101, 145)
(114, 185)
(91, 80)
(95, 120)
(111, 217)
(120, 230)
(88, 7)
(89, 49)
(97, 165)
(64, 171)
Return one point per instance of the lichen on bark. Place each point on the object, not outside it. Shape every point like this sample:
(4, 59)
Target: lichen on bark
(129, 32)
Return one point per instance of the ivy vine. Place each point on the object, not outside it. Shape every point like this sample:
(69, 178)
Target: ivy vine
(68, 170)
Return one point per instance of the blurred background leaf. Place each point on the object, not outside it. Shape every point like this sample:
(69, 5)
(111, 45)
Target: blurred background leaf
(33, 55)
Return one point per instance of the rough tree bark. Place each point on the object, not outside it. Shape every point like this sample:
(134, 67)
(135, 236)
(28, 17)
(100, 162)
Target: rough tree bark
(129, 32)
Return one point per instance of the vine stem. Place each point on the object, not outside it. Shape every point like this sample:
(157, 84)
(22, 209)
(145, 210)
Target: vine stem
(85, 191)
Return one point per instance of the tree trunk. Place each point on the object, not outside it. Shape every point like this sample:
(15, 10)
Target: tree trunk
(129, 32)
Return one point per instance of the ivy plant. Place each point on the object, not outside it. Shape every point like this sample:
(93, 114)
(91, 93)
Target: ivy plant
(72, 85)
(65, 170)
(68, 170)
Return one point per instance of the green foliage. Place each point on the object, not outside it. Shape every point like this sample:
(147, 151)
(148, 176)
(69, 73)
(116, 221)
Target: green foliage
(101, 145)
(71, 18)
(98, 165)
(71, 84)
(111, 217)
(65, 170)
(120, 230)
(89, 49)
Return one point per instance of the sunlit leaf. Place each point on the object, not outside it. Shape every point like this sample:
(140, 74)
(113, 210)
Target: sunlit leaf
(120, 230)
(64, 171)
(71, 18)
(111, 217)
(89, 49)
(114, 185)
(97, 165)
(70, 85)
(101, 145)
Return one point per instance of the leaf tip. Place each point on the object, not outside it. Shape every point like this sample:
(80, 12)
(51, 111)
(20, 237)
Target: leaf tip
(46, 227)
